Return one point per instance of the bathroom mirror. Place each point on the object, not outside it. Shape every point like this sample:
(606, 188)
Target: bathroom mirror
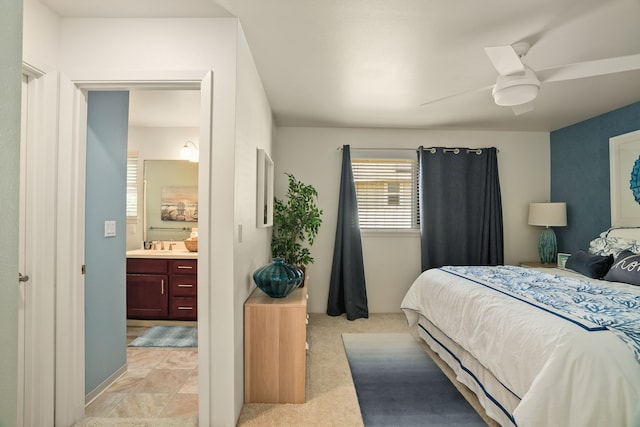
(170, 199)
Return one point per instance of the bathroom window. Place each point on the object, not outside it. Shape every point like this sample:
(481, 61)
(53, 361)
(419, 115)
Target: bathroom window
(132, 185)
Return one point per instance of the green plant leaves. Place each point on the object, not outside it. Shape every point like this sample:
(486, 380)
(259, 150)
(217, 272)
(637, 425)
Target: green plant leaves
(296, 221)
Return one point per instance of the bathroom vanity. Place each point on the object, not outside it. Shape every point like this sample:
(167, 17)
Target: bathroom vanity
(162, 284)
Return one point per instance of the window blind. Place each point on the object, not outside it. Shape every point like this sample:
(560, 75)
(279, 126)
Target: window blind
(132, 184)
(386, 190)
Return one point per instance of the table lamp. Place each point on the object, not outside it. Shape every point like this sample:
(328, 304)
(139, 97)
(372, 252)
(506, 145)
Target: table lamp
(549, 214)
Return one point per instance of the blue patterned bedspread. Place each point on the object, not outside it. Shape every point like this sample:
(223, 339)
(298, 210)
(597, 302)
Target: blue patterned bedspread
(598, 307)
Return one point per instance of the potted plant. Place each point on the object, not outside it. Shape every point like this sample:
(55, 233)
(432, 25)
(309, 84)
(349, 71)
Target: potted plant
(296, 221)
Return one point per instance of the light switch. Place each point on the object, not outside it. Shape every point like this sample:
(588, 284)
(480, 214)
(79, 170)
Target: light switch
(109, 229)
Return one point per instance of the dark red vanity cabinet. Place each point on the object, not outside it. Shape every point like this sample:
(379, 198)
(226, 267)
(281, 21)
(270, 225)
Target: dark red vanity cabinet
(162, 289)
(183, 293)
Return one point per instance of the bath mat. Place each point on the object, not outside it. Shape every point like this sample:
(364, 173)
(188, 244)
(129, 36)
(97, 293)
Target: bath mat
(168, 336)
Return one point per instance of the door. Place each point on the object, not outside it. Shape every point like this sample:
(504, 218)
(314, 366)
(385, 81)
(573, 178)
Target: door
(104, 237)
(35, 248)
(23, 278)
(69, 249)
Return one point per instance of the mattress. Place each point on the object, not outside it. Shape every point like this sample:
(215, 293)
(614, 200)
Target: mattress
(529, 364)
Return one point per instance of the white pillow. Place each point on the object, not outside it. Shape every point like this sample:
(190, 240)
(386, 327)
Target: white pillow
(615, 240)
(628, 233)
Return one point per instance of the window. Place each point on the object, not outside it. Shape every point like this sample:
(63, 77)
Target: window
(132, 185)
(387, 193)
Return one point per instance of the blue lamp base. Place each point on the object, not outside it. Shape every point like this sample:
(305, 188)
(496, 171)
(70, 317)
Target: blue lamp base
(548, 246)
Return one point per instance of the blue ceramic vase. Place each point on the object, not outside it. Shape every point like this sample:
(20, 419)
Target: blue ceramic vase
(278, 279)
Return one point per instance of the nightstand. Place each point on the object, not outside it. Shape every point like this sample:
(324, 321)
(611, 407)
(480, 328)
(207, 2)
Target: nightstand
(536, 264)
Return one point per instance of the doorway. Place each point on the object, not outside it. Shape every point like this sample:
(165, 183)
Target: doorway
(161, 283)
(157, 299)
(71, 197)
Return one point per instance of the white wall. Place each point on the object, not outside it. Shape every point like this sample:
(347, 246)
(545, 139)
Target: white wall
(160, 143)
(40, 36)
(254, 129)
(106, 49)
(112, 50)
(392, 262)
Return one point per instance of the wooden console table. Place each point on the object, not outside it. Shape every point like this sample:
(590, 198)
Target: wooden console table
(275, 334)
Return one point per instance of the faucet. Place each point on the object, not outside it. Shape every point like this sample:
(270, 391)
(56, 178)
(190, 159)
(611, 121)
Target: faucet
(171, 245)
(154, 246)
(161, 245)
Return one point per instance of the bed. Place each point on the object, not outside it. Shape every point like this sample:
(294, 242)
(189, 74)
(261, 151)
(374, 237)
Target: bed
(542, 347)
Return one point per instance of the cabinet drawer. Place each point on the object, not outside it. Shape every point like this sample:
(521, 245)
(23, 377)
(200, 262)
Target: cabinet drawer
(146, 265)
(184, 286)
(185, 308)
(183, 266)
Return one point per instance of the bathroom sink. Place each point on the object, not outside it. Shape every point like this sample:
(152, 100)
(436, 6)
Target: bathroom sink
(179, 253)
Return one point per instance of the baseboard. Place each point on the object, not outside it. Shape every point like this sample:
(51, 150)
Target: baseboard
(104, 385)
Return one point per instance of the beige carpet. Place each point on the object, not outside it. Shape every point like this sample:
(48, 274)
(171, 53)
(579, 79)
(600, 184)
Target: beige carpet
(331, 396)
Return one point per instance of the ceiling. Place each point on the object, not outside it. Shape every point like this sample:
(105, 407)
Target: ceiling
(372, 63)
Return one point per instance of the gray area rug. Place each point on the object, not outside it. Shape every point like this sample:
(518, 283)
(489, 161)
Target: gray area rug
(167, 336)
(398, 384)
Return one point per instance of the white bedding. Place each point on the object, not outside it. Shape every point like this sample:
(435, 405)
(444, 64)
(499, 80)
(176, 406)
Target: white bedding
(563, 374)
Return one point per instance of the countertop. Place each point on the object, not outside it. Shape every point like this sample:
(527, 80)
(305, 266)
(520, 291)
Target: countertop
(179, 251)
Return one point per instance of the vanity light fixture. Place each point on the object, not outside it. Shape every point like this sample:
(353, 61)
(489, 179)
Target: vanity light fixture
(190, 152)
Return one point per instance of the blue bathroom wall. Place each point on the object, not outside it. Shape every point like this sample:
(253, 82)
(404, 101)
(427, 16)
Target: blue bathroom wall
(580, 174)
(105, 280)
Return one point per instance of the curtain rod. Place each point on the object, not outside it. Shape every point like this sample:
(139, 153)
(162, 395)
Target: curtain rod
(432, 149)
(379, 148)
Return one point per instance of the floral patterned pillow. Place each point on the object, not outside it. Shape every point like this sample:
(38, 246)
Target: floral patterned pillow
(612, 245)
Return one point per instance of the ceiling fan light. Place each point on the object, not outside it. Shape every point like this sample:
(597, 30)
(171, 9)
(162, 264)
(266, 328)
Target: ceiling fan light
(515, 95)
(516, 89)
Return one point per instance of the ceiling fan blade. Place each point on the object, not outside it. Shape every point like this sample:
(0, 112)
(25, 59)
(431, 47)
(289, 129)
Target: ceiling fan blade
(597, 67)
(522, 108)
(572, 11)
(455, 95)
(505, 60)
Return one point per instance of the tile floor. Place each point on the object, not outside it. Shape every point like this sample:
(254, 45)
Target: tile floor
(159, 383)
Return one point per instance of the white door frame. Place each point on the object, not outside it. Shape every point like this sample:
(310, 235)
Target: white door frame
(69, 385)
(37, 247)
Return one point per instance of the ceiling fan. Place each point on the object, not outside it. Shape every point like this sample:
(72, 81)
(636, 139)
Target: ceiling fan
(518, 84)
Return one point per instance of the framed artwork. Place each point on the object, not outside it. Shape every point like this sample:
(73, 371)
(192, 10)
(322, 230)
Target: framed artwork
(179, 204)
(562, 259)
(264, 197)
(624, 162)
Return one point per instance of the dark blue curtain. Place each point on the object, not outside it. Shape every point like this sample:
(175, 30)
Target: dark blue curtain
(460, 207)
(347, 288)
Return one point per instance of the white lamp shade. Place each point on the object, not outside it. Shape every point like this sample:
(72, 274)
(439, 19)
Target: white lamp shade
(548, 214)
